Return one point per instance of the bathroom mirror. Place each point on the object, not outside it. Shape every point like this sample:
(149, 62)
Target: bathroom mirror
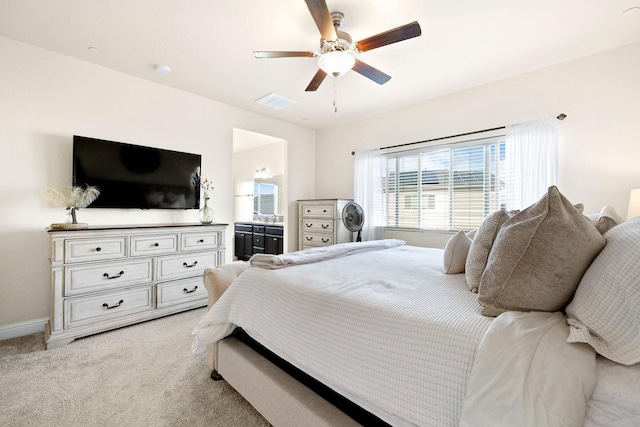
(267, 198)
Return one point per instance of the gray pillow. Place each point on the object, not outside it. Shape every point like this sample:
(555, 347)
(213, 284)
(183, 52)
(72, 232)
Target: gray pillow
(539, 257)
(481, 245)
(605, 311)
(606, 219)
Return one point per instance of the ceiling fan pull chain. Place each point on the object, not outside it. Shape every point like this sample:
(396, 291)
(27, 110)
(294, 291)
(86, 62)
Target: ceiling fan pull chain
(335, 94)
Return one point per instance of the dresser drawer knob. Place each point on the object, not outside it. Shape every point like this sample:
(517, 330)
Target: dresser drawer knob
(185, 265)
(325, 240)
(113, 277)
(105, 305)
(186, 291)
(201, 241)
(98, 249)
(308, 238)
(156, 244)
(308, 225)
(325, 226)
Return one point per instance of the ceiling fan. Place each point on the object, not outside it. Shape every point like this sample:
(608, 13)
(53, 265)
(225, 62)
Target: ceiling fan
(336, 56)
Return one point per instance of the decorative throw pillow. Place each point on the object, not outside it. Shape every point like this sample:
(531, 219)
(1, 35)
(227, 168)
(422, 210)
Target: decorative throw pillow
(605, 311)
(539, 257)
(481, 245)
(606, 219)
(471, 234)
(455, 253)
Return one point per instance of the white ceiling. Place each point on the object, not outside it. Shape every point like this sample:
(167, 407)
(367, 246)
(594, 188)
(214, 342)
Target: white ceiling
(209, 43)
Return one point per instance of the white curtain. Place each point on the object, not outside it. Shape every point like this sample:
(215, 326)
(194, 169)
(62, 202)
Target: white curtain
(531, 161)
(367, 191)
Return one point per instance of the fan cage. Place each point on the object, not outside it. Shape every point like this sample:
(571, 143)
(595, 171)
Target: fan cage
(350, 212)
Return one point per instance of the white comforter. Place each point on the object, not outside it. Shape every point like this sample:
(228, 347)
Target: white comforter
(616, 399)
(386, 329)
(526, 374)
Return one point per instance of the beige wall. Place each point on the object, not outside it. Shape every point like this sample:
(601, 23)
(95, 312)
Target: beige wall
(599, 140)
(46, 98)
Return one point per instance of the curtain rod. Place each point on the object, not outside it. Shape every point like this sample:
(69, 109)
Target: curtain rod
(560, 116)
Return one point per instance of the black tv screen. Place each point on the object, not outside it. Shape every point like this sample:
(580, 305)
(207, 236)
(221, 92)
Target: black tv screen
(133, 176)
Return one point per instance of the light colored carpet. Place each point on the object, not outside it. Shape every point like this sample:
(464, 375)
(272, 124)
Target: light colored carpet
(141, 375)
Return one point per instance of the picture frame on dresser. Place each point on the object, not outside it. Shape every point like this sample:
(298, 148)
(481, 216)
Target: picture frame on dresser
(104, 278)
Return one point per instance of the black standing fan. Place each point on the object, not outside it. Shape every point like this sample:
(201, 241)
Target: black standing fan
(353, 218)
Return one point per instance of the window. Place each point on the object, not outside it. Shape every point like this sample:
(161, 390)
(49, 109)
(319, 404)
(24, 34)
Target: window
(411, 202)
(265, 198)
(451, 187)
(431, 201)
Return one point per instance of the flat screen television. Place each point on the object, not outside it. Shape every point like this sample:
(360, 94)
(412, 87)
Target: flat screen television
(133, 176)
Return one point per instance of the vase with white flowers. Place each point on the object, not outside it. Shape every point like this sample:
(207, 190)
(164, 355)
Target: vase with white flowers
(206, 213)
(78, 197)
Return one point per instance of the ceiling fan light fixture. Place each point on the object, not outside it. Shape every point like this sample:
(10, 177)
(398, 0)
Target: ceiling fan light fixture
(336, 63)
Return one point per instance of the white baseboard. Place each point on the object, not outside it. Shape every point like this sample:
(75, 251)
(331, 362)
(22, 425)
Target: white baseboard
(21, 329)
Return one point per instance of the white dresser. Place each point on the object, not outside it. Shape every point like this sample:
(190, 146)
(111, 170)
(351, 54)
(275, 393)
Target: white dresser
(108, 277)
(320, 223)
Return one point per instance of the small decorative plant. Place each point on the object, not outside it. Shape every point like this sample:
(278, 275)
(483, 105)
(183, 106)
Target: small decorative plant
(201, 182)
(79, 197)
(206, 185)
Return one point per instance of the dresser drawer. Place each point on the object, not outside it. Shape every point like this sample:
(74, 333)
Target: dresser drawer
(79, 250)
(81, 311)
(154, 244)
(245, 228)
(180, 291)
(199, 241)
(183, 266)
(258, 240)
(79, 279)
(274, 231)
(318, 210)
(318, 225)
(317, 239)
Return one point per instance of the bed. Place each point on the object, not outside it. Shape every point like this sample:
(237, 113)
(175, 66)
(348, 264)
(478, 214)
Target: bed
(390, 339)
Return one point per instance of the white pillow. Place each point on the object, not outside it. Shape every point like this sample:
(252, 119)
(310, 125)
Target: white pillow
(455, 252)
(605, 310)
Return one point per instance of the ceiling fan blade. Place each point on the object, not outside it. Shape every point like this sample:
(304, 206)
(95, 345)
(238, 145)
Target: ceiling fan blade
(320, 13)
(282, 54)
(316, 81)
(395, 35)
(370, 72)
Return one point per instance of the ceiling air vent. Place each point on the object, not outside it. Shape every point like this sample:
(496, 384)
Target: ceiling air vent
(275, 101)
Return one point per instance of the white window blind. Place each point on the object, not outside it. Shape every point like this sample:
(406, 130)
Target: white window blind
(448, 187)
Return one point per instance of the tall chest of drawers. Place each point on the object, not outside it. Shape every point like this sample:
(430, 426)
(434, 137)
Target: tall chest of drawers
(108, 277)
(320, 223)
